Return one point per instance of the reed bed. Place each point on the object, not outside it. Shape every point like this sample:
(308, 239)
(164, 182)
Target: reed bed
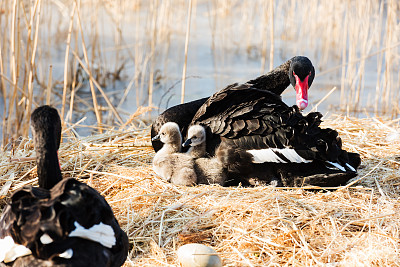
(88, 58)
(353, 225)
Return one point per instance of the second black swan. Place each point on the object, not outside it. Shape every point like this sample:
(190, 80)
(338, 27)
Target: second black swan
(63, 222)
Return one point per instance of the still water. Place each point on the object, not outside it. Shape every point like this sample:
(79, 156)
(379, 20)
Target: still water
(133, 48)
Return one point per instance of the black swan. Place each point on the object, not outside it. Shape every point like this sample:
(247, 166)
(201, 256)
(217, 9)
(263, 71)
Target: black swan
(297, 71)
(63, 222)
(260, 136)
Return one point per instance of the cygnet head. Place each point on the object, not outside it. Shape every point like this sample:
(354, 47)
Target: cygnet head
(196, 136)
(169, 134)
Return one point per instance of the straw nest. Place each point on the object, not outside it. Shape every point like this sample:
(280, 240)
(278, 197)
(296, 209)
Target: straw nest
(355, 225)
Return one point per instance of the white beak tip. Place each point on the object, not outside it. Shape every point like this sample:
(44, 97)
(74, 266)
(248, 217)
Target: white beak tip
(302, 103)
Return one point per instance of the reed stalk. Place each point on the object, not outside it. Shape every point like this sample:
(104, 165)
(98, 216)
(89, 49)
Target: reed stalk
(189, 17)
(49, 86)
(67, 49)
(14, 71)
(153, 51)
(265, 8)
(137, 61)
(92, 89)
(271, 34)
(344, 50)
(4, 92)
(95, 83)
(32, 65)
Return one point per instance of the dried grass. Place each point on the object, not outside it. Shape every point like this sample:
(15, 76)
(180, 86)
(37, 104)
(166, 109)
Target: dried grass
(357, 225)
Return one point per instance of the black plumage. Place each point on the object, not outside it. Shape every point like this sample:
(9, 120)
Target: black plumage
(259, 136)
(46, 219)
(275, 81)
(292, 139)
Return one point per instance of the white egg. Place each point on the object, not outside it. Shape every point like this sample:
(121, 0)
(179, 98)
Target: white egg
(198, 255)
(393, 136)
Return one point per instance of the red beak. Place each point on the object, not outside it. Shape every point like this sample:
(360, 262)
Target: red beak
(301, 92)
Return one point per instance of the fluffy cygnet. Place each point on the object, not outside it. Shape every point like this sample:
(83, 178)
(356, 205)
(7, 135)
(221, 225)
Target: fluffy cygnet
(208, 170)
(175, 167)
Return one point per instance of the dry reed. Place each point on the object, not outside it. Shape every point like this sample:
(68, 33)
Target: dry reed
(356, 225)
(354, 45)
(186, 52)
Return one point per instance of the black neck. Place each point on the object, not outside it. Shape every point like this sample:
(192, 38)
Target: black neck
(48, 168)
(275, 81)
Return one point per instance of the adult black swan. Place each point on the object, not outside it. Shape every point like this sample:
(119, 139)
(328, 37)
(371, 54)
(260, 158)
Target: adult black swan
(297, 71)
(261, 137)
(63, 222)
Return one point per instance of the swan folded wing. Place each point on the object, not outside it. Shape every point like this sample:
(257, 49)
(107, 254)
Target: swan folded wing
(101, 233)
(231, 100)
(302, 143)
(86, 213)
(254, 116)
(22, 217)
(276, 155)
(289, 150)
(20, 223)
(259, 123)
(290, 155)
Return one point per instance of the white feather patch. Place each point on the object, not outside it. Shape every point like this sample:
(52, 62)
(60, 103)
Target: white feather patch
(337, 165)
(100, 233)
(46, 239)
(269, 155)
(9, 251)
(67, 254)
(351, 167)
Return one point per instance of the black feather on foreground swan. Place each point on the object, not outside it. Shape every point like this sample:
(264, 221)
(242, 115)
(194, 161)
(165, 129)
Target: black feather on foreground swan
(63, 222)
(297, 71)
(260, 137)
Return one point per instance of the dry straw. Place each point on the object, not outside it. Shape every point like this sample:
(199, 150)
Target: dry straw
(357, 225)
